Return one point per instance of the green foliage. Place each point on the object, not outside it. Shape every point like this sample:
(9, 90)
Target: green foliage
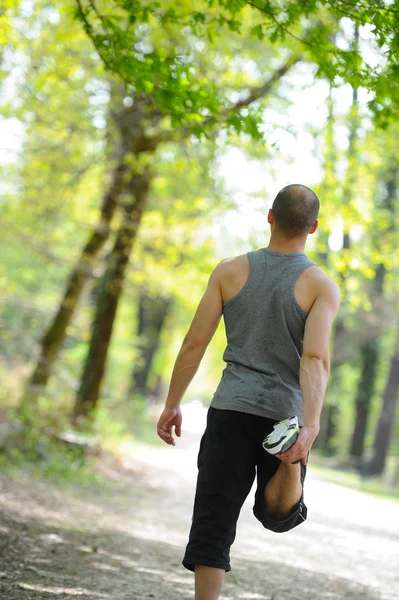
(178, 59)
(134, 42)
(34, 442)
(191, 76)
(51, 196)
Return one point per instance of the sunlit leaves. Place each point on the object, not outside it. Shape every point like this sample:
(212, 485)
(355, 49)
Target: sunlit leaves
(116, 29)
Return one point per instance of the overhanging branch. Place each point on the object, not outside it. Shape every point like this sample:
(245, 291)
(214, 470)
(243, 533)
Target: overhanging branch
(252, 95)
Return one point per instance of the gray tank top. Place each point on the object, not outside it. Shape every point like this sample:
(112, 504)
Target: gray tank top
(264, 329)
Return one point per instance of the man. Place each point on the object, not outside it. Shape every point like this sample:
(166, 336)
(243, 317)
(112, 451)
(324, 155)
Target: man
(278, 310)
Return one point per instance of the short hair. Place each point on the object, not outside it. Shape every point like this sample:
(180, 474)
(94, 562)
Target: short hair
(296, 208)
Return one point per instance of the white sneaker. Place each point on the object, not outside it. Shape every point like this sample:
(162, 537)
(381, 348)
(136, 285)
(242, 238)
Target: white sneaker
(282, 437)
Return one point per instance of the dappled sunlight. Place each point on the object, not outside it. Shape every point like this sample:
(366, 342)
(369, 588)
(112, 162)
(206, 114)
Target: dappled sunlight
(135, 546)
(104, 567)
(52, 538)
(58, 591)
(124, 560)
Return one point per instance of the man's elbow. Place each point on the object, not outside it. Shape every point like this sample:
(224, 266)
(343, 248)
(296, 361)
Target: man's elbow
(317, 358)
(194, 343)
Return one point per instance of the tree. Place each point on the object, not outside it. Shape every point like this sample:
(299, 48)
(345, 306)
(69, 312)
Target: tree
(184, 200)
(327, 190)
(52, 192)
(340, 332)
(117, 261)
(170, 82)
(152, 313)
(54, 336)
(370, 347)
(386, 420)
(120, 32)
(210, 77)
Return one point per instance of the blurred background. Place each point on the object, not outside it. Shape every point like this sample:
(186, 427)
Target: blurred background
(138, 149)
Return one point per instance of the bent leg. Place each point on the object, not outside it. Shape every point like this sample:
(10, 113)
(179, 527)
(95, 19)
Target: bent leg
(283, 491)
(208, 582)
(279, 504)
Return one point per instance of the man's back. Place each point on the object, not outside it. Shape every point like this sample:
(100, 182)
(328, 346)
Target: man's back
(236, 272)
(265, 328)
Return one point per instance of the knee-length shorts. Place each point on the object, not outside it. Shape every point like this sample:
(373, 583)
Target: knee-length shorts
(230, 456)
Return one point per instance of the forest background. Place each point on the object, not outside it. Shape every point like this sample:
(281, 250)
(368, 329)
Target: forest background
(143, 142)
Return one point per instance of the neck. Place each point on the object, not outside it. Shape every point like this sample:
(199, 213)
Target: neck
(280, 243)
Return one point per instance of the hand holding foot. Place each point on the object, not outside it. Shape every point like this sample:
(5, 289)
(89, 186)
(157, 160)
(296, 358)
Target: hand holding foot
(299, 451)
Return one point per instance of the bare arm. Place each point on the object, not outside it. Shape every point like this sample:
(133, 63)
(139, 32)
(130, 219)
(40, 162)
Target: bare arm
(315, 363)
(315, 366)
(200, 333)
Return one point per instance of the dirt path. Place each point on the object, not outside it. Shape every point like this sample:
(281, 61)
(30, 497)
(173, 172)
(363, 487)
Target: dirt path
(127, 543)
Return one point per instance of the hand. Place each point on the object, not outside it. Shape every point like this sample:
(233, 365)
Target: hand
(299, 451)
(171, 417)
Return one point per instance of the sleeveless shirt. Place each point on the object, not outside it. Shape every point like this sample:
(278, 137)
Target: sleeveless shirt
(264, 328)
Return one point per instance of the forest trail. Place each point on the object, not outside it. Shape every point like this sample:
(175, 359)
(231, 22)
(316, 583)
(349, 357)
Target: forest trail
(127, 543)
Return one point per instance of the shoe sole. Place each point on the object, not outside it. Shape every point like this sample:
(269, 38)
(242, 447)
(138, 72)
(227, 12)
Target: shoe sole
(290, 441)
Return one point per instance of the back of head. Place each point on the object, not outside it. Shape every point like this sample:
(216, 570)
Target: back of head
(295, 209)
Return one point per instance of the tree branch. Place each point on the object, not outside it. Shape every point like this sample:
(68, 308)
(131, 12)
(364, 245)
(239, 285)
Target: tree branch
(256, 93)
(253, 94)
(277, 22)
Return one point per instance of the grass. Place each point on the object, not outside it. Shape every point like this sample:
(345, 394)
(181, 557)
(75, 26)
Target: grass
(39, 449)
(44, 456)
(373, 486)
(50, 461)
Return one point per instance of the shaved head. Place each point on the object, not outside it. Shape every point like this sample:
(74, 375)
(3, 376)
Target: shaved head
(295, 209)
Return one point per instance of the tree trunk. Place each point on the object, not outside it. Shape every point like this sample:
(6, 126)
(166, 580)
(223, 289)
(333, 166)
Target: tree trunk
(331, 409)
(109, 295)
(56, 332)
(152, 315)
(369, 352)
(369, 357)
(387, 417)
(328, 187)
(370, 348)
(340, 329)
(132, 124)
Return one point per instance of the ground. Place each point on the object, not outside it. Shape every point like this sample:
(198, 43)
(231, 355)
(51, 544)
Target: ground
(125, 541)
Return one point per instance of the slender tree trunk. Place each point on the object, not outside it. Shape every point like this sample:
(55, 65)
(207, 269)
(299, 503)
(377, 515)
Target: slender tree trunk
(109, 295)
(370, 348)
(328, 188)
(132, 124)
(387, 417)
(369, 353)
(389, 402)
(369, 358)
(55, 334)
(332, 407)
(152, 316)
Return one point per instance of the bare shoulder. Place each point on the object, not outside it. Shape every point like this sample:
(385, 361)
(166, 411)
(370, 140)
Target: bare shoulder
(231, 275)
(324, 286)
(229, 266)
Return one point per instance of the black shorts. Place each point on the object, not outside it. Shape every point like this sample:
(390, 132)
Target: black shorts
(230, 453)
